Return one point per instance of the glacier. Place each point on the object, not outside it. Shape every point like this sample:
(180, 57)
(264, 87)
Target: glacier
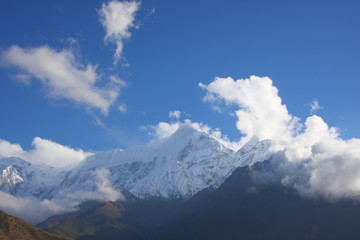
(178, 166)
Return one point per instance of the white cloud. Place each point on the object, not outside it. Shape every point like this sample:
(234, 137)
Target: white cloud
(34, 210)
(315, 106)
(104, 190)
(63, 77)
(122, 108)
(164, 129)
(8, 149)
(117, 18)
(44, 151)
(260, 110)
(104, 187)
(327, 165)
(313, 158)
(175, 114)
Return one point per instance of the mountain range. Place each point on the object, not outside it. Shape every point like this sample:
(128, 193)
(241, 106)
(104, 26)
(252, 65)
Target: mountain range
(186, 186)
(175, 167)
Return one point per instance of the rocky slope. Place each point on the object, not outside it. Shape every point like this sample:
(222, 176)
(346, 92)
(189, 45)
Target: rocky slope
(13, 228)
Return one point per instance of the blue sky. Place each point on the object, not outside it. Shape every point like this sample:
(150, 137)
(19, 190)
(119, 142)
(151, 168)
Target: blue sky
(310, 49)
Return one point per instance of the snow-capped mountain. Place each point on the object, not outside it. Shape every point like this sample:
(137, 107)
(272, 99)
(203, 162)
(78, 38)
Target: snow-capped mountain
(22, 178)
(178, 166)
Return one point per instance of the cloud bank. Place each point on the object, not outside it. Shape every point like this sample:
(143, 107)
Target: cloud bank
(117, 18)
(310, 157)
(63, 77)
(44, 151)
(34, 210)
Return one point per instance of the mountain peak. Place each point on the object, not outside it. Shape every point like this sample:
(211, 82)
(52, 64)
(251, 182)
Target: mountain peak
(110, 209)
(178, 166)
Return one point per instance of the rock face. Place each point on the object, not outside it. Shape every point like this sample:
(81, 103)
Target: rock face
(14, 228)
(178, 166)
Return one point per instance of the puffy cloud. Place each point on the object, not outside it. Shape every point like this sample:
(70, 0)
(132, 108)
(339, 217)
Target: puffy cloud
(175, 114)
(315, 106)
(260, 110)
(53, 154)
(63, 77)
(8, 149)
(117, 18)
(326, 165)
(44, 151)
(311, 158)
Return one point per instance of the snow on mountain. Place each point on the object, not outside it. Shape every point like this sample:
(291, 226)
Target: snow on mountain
(21, 178)
(11, 177)
(178, 166)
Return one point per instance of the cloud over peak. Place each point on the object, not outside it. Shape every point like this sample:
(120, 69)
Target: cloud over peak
(63, 77)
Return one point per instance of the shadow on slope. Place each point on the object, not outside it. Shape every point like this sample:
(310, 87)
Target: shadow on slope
(240, 209)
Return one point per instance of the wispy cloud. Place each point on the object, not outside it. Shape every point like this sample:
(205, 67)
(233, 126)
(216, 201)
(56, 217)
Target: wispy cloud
(117, 18)
(164, 129)
(104, 190)
(63, 77)
(175, 114)
(122, 108)
(315, 106)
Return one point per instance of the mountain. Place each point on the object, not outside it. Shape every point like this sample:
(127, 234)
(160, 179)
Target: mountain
(243, 209)
(133, 219)
(178, 166)
(13, 228)
(21, 178)
(240, 208)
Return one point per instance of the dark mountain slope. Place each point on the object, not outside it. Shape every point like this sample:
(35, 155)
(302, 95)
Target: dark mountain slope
(100, 222)
(13, 228)
(240, 209)
(133, 219)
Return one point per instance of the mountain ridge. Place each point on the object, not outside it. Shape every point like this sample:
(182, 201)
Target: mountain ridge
(178, 166)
